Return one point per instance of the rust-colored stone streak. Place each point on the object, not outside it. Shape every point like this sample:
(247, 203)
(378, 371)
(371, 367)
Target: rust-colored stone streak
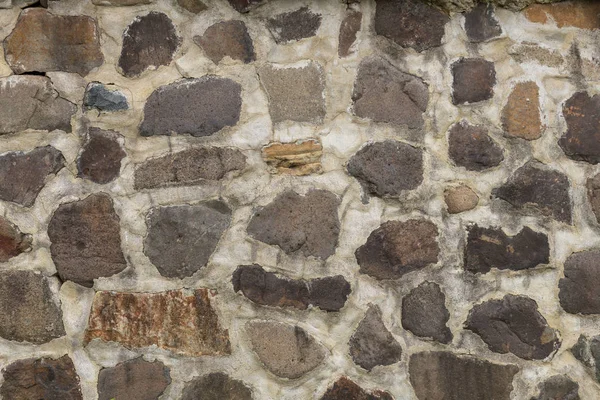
(578, 14)
(181, 321)
(298, 158)
(521, 114)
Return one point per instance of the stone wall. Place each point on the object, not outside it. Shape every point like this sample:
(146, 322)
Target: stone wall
(250, 199)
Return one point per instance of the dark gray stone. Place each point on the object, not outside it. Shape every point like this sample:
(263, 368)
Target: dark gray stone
(227, 38)
(101, 156)
(581, 142)
(104, 98)
(580, 288)
(558, 387)
(471, 147)
(424, 313)
(244, 6)
(348, 30)
(593, 192)
(216, 386)
(481, 24)
(473, 80)
(12, 241)
(345, 389)
(294, 25)
(587, 351)
(134, 379)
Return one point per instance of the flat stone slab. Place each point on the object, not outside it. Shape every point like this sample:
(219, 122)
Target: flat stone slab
(101, 156)
(424, 313)
(579, 290)
(294, 25)
(133, 379)
(12, 241)
(216, 386)
(227, 39)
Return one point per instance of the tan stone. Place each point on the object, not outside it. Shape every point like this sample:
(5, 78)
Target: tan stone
(578, 14)
(302, 157)
(459, 199)
(521, 114)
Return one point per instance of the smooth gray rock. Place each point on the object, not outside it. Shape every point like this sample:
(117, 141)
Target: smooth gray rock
(106, 98)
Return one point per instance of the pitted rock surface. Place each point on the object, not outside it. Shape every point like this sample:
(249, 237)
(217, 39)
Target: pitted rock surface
(227, 39)
(216, 386)
(100, 160)
(193, 6)
(578, 14)
(293, 26)
(345, 389)
(558, 387)
(471, 147)
(581, 142)
(104, 98)
(473, 80)
(579, 290)
(587, 351)
(348, 31)
(244, 6)
(424, 313)
(481, 23)
(521, 115)
(12, 241)
(302, 157)
(460, 199)
(527, 52)
(133, 379)
(593, 193)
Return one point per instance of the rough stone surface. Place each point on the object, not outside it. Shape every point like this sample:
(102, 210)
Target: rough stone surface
(587, 351)
(293, 26)
(155, 319)
(120, 2)
(473, 80)
(307, 224)
(424, 313)
(383, 93)
(581, 142)
(100, 159)
(181, 239)
(558, 387)
(593, 192)
(481, 24)
(104, 98)
(471, 147)
(244, 6)
(150, 40)
(227, 39)
(348, 31)
(198, 107)
(489, 248)
(521, 115)
(23, 175)
(442, 375)
(460, 199)
(12, 241)
(387, 168)
(287, 351)
(193, 6)
(86, 240)
(578, 14)
(43, 378)
(43, 42)
(345, 389)
(216, 386)
(531, 52)
(580, 288)
(134, 379)
(302, 157)
(372, 344)
(514, 325)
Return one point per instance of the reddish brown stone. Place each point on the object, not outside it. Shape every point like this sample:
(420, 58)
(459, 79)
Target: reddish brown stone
(578, 14)
(12, 241)
(302, 157)
(227, 38)
(521, 114)
(345, 389)
(133, 379)
(182, 321)
(581, 142)
(100, 160)
(473, 80)
(348, 31)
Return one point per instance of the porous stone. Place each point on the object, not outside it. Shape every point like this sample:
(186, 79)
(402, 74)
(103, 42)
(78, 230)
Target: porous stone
(513, 324)
(558, 387)
(266, 288)
(387, 168)
(197, 107)
(120, 2)
(138, 320)
(345, 389)
(410, 23)
(587, 351)
(307, 224)
(593, 192)
(424, 313)
(29, 311)
(577, 14)
(473, 80)
(44, 378)
(521, 115)
(372, 344)
(133, 379)
(12, 241)
(383, 93)
(43, 42)
(293, 26)
(104, 98)
(86, 240)
(193, 6)
(481, 24)
(471, 147)
(302, 157)
(244, 6)
(579, 290)
(460, 199)
(533, 187)
(528, 52)
(216, 386)
(181, 239)
(287, 351)
(150, 40)
(489, 248)
(101, 156)
(581, 142)
(442, 375)
(295, 93)
(227, 39)
(31, 102)
(348, 30)
(397, 248)
(23, 175)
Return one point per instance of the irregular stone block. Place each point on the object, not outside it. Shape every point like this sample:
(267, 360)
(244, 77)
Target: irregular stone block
(442, 375)
(227, 39)
(193, 6)
(133, 379)
(471, 147)
(581, 142)
(43, 42)
(578, 14)
(397, 248)
(105, 98)
(12, 241)
(587, 351)
(293, 26)
(285, 350)
(481, 24)
(150, 40)
(266, 288)
(302, 157)
(410, 23)
(593, 193)
(86, 240)
(579, 290)
(424, 313)
(155, 319)
(299, 224)
(348, 31)
(387, 168)
(197, 107)
(513, 324)
(521, 115)
(460, 199)
(23, 175)
(558, 387)
(473, 80)
(101, 156)
(243, 6)
(526, 52)
(345, 389)
(489, 248)
(120, 2)
(383, 93)
(216, 386)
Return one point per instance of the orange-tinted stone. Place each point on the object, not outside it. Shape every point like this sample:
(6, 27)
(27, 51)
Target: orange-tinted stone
(578, 14)
(298, 158)
(521, 114)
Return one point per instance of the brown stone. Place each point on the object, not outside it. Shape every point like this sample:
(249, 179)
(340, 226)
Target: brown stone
(424, 313)
(182, 321)
(473, 80)
(216, 386)
(244, 6)
(227, 39)
(579, 290)
(293, 26)
(558, 387)
(345, 389)
(471, 147)
(581, 142)
(593, 192)
(120, 2)
(521, 114)
(348, 30)
(43, 42)
(193, 6)
(481, 24)
(302, 157)
(12, 241)
(133, 379)
(100, 159)
(460, 199)
(578, 14)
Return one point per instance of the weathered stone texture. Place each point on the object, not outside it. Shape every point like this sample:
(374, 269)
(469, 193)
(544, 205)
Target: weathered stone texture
(293, 26)
(244, 6)
(135, 379)
(12, 241)
(521, 115)
(460, 199)
(120, 2)
(593, 193)
(101, 156)
(481, 24)
(580, 288)
(193, 6)
(581, 142)
(558, 387)
(182, 321)
(424, 313)
(348, 31)
(104, 98)
(587, 351)
(216, 386)
(227, 39)
(473, 80)
(302, 157)
(345, 389)
(530, 52)
(471, 147)
(578, 14)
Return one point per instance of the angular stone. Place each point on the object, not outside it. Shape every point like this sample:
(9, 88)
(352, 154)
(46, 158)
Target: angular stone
(31, 102)
(345, 389)
(105, 98)
(397, 248)
(181, 239)
(526, 52)
(227, 39)
(387, 168)
(188, 167)
(302, 157)
(534, 187)
(348, 31)
(44, 378)
(285, 350)
(372, 344)
(308, 224)
(12, 241)
(521, 115)
(133, 379)
(410, 23)
(29, 311)
(181, 321)
(460, 199)
(581, 142)
(266, 288)
(150, 40)
(424, 313)
(579, 290)
(489, 248)
(86, 240)
(293, 26)
(383, 93)
(197, 107)
(558, 387)
(513, 324)
(100, 159)
(593, 192)
(473, 80)
(120, 2)
(471, 147)
(295, 93)
(193, 6)
(216, 386)
(481, 24)
(23, 175)
(442, 375)
(578, 14)
(587, 351)
(243, 6)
